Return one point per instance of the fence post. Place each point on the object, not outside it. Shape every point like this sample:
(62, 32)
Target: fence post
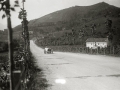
(86, 50)
(97, 50)
(113, 50)
(91, 50)
(110, 49)
(104, 51)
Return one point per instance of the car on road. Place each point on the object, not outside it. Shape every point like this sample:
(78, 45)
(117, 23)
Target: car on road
(48, 51)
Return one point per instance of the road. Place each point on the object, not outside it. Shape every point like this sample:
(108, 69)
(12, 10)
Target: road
(75, 71)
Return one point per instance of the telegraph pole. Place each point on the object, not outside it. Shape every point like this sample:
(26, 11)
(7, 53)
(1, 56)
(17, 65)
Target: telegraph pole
(25, 29)
(25, 35)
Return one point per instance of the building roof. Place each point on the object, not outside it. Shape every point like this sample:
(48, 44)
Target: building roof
(97, 40)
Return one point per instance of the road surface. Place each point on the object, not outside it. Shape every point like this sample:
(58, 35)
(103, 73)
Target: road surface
(75, 71)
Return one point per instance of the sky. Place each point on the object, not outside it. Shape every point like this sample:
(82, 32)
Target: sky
(38, 8)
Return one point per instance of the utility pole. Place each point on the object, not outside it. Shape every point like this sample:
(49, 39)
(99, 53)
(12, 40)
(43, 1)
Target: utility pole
(25, 35)
(25, 29)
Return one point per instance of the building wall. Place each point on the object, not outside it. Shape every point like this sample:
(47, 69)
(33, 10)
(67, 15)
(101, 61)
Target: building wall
(97, 44)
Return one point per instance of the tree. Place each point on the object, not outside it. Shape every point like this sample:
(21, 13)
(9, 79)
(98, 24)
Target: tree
(81, 33)
(93, 27)
(73, 35)
(6, 8)
(109, 29)
(4, 45)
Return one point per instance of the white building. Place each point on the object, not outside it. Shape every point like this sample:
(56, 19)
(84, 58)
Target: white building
(97, 42)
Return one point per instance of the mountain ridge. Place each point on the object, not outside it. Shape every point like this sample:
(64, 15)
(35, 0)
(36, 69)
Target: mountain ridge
(101, 4)
(63, 14)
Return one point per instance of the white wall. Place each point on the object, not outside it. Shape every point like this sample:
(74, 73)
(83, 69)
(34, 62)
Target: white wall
(97, 44)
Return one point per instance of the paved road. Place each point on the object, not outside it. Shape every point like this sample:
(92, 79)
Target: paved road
(71, 71)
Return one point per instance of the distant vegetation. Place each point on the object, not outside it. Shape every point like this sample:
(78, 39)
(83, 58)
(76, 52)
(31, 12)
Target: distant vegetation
(3, 36)
(3, 46)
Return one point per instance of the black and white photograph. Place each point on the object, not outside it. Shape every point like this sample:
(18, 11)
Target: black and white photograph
(59, 44)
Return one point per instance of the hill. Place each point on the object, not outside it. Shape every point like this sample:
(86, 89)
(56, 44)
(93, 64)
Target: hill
(59, 24)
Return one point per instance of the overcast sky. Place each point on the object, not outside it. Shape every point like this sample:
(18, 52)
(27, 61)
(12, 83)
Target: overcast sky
(39, 8)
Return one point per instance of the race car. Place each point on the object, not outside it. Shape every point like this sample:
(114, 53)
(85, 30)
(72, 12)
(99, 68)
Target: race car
(48, 51)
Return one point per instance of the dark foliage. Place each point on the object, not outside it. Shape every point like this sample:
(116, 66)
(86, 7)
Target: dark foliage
(5, 7)
(4, 69)
(3, 46)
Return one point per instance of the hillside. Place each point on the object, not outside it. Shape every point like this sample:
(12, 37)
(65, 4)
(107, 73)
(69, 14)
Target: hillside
(77, 18)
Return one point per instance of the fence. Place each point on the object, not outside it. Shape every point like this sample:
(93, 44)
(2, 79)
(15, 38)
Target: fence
(77, 49)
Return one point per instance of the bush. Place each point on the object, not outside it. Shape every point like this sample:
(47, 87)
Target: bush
(4, 69)
(3, 46)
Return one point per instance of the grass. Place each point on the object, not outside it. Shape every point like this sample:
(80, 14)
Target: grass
(39, 83)
(37, 80)
(3, 64)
